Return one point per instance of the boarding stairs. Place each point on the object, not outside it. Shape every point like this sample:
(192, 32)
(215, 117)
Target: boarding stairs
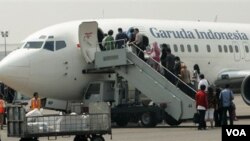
(146, 79)
(136, 71)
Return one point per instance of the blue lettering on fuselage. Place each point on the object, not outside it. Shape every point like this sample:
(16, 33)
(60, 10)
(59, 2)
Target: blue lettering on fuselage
(196, 34)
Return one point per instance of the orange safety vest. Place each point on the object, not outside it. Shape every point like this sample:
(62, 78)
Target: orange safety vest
(2, 107)
(35, 103)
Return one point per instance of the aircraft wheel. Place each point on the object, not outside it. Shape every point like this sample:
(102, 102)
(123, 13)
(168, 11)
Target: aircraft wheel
(148, 120)
(97, 138)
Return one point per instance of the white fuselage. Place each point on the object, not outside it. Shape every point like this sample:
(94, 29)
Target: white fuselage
(58, 73)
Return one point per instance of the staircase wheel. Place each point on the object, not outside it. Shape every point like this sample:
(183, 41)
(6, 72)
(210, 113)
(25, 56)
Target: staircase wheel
(171, 121)
(148, 119)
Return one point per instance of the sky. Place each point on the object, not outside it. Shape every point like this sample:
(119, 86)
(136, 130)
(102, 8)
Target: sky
(23, 17)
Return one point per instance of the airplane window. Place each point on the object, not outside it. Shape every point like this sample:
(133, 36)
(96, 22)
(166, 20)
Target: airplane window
(42, 37)
(49, 45)
(236, 49)
(231, 48)
(175, 48)
(189, 48)
(225, 48)
(247, 49)
(21, 45)
(220, 48)
(182, 48)
(208, 48)
(60, 45)
(33, 45)
(196, 48)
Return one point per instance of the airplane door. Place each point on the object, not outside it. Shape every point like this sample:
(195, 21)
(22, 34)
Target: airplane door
(246, 51)
(88, 40)
(237, 51)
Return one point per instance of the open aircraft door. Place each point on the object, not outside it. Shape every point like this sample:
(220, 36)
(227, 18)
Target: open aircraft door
(88, 40)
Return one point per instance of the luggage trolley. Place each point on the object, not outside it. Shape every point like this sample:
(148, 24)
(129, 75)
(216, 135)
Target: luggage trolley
(88, 126)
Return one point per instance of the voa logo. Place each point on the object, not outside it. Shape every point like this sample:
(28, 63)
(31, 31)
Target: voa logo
(236, 132)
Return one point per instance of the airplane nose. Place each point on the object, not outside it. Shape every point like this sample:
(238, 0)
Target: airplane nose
(14, 71)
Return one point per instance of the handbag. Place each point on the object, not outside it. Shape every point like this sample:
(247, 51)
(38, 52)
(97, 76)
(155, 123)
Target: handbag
(196, 117)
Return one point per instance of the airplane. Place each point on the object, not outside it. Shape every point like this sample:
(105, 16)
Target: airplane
(51, 60)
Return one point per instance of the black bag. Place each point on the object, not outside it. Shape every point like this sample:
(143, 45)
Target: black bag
(196, 118)
(145, 42)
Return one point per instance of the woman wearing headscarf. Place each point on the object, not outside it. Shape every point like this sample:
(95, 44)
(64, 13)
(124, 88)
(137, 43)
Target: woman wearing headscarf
(154, 54)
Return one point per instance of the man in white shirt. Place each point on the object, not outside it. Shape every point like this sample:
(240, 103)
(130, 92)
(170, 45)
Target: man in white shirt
(138, 37)
(139, 43)
(203, 81)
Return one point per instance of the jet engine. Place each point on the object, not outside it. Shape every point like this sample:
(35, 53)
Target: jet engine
(245, 89)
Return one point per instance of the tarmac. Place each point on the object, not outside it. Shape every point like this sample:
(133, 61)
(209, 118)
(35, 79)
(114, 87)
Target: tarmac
(186, 131)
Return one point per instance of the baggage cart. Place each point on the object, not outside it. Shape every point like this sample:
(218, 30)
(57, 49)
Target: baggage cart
(87, 126)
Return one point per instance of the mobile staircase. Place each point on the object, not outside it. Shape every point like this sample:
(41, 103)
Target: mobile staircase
(179, 106)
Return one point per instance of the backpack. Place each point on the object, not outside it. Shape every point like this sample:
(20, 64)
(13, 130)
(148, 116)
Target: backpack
(145, 42)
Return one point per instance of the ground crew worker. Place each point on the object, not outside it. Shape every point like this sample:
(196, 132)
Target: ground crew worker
(2, 111)
(35, 102)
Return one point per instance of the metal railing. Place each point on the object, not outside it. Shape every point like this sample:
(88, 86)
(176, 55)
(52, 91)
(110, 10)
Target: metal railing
(178, 81)
(116, 44)
(184, 87)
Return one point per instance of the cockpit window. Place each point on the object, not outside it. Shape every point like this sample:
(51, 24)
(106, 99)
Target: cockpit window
(49, 45)
(42, 37)
(60, 45)
(33, 45)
